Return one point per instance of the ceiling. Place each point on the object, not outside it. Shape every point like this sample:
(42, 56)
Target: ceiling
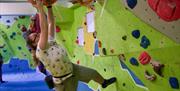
(22, 8)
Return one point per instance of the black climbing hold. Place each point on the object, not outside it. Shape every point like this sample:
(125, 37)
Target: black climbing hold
(136, 34)
(104, 51)
(64, 40)
(124, 37)
(104, 69)
(11, 36)
(4, 50)
(8, 27)
(124, 84)
(131, 3)
(19, 48)
(19, 25)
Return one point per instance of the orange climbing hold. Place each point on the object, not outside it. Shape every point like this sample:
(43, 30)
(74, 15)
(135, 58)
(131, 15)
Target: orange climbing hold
(45, 2)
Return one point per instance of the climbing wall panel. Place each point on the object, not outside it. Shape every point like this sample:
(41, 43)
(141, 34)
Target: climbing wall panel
(142, 10)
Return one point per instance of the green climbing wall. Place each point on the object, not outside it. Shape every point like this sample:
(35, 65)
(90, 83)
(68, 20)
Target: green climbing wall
(113, 21)
(15, 44)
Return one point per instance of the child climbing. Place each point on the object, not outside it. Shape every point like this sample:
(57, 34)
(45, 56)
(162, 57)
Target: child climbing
(65, 74)
(35, 28)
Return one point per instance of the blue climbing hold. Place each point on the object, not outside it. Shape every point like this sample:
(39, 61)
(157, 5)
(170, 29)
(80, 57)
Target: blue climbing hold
(131, 3)
(136, 34)
(8, 21)
(134, 61)
(14, 33)
(144, 42)
(173, 81)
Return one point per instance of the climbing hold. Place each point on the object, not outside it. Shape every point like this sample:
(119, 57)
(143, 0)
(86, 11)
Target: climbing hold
(64, 40)
(8, 21)
(11, 36)
(8, 27)
(13, 33)
(144, 58)
(4, 50)
(78, 62)
(173, 81)
(95, 34)
(85, 23)
(77, 41)
(58, 29)
(131, 3)
(19, 25)
(144, 42)
(19, 48)
(134, 61)
(124, 37)
(104, 70)
(124, 84)
(45, 2)
(149, 76)
(122, 57)
(112, 50)
(23, 28)
(136, 34)
(168, 10)
(157, 67)
(99, 44)
(104, 51)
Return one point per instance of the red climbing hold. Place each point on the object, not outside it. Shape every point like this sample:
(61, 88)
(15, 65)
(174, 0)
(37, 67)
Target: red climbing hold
(144, 58)
(58, 29)
(77, 41)
(168, 10)
(153, 4)
(78, 62)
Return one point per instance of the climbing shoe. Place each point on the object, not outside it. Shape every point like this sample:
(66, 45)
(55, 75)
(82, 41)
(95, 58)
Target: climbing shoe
(108, 82)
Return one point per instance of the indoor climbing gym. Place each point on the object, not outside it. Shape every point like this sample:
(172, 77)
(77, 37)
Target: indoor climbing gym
(89, 45)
